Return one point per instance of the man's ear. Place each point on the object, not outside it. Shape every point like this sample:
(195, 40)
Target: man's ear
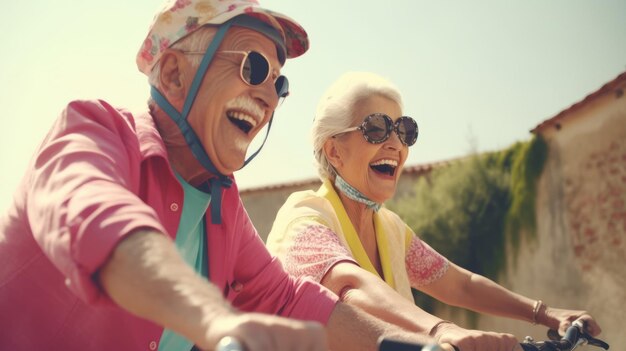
(332, 153)
(172, 76)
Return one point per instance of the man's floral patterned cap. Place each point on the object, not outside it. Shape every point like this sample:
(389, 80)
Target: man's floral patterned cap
(179, 18)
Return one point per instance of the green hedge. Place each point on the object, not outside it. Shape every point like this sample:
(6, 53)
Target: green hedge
(468, 210)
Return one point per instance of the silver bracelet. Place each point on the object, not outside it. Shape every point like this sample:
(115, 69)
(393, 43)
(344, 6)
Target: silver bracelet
(432, 347)
(432, 330)
(228, 343)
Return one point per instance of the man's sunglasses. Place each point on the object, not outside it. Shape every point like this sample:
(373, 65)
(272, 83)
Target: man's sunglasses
(377, 128)
(255, 69)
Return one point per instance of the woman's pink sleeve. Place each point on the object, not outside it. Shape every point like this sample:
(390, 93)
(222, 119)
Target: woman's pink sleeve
(424, 265)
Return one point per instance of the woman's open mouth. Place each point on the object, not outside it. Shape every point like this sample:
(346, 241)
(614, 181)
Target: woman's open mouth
(385, 166)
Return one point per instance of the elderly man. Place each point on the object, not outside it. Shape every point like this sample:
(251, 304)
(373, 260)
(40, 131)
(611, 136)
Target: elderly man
(128, 233)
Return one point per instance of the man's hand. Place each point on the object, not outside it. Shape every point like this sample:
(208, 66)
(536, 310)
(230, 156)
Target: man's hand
(258, 332)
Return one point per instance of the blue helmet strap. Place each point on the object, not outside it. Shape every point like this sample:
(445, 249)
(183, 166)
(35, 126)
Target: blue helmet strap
(195, 145)
(267, 133)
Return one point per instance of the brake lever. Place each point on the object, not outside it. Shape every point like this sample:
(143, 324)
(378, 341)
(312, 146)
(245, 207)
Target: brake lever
(595, 342)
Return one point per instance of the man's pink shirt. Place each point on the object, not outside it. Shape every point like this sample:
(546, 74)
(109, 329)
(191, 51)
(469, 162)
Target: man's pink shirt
(100, 174)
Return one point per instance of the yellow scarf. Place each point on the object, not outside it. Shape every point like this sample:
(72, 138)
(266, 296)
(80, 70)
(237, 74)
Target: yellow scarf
(391, 248)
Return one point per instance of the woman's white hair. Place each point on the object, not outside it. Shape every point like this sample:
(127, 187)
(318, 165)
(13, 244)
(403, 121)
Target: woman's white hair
(197, 41)
(335, 110)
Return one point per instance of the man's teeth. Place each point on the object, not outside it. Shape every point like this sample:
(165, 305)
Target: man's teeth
(392, 163)
(243, 117)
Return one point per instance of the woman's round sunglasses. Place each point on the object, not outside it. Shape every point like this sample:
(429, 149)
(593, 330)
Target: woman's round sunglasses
(377, 128)
(255, 69)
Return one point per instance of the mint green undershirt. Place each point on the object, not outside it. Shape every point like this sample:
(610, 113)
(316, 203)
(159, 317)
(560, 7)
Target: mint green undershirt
(191, 243)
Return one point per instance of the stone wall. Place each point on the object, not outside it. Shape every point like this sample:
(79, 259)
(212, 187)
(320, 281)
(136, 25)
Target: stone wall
(577, 259)
(262, 204)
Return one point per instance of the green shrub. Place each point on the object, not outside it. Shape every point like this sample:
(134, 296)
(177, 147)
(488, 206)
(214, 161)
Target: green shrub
(469, 209)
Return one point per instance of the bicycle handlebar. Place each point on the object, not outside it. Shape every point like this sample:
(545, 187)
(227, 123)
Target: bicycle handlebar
(574, 337)
(389, 344)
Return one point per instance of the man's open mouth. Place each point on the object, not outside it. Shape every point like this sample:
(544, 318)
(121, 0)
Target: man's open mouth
(241, 120)
(385, 166)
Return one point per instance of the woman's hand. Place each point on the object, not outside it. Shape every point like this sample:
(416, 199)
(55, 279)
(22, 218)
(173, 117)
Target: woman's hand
(256, 332)
(560, 319)
(474, 340)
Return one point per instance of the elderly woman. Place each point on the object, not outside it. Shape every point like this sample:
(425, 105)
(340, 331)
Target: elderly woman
(342, 237)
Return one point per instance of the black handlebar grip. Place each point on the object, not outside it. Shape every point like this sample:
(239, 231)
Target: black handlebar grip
(553, 335)
(387, 344)
(529, 347)
(571, 336)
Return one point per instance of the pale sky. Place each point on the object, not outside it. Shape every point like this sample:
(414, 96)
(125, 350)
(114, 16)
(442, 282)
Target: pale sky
(474, 74)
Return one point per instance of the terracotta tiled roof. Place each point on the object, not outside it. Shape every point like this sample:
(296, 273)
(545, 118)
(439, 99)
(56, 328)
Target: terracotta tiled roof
(608, 87)
(312, 182)
(424, 168)
(275, 187)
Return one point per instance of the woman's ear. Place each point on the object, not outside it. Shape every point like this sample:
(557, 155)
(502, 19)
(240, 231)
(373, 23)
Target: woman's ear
(172, 76)
(332, 153)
